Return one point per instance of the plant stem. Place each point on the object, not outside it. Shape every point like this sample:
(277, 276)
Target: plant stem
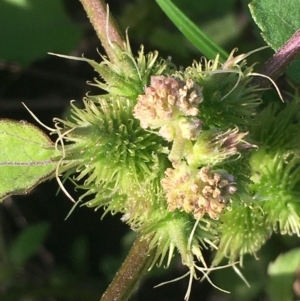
(133, 268)
(138, 259)
(277, 64)
(106, 28)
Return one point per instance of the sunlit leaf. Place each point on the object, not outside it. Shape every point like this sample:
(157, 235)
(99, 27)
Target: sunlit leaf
(278, 22)
(282, 274)
(26, 157)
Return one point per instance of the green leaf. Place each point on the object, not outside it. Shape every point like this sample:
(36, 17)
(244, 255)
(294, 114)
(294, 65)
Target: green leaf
(194, 34)
(27, 243)
(79, 255)
(282, 275)
(31, 28)
(278, 21)
(25, 157)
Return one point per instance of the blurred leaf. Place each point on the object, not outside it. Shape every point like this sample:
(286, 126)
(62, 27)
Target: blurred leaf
(195, 35)
(27, 243)
(31, 28)
(25, 157)
(79, 255)
(282, 273)
(228, 21)
(253, 271)
(164, 40)
(278, 23)
(212, 7)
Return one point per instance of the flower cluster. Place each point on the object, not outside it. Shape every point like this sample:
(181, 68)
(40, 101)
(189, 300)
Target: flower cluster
(168, 104)
(198, 191)
(173, 150)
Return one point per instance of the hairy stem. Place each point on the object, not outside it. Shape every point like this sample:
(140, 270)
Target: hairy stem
(106, 28)
(131, 271)
(277, 64)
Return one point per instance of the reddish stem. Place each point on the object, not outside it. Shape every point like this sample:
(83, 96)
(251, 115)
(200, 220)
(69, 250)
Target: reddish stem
(106, 28)
(277, 64)
(132, 270)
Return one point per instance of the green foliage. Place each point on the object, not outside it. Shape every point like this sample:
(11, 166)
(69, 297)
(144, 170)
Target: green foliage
(246, 238)
(253, 270)
(282, 275)
(16, 256)
(19, 258)
(27, 157)
(187, 156)
(278, 23)
(160, 169)
(32, 28)
(275, 166)
(27, 243)
(270, 18)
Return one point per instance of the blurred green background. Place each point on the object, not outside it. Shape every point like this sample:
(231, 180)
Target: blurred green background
(45, 257)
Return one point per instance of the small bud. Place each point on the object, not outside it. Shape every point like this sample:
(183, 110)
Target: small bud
(213, 147)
